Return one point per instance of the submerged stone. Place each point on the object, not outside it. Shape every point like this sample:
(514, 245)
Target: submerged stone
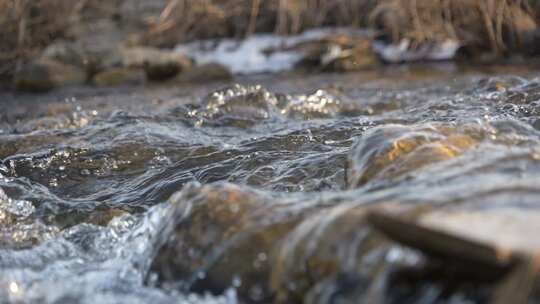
(393, 151)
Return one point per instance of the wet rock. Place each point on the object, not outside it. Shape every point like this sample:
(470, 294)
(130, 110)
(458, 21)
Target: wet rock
(496, 268)
(44, 75)
(337, 53)
(158, 64)
(387, 153)
(438, 244)
(330, 244)
(205, 73)
(223, 237)
(120, 76)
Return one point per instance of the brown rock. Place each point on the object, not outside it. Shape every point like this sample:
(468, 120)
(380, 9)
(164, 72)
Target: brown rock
(205, 73)
(393, 151)
(45, 74)
(119, 76)
(227, 236)
(158, 64)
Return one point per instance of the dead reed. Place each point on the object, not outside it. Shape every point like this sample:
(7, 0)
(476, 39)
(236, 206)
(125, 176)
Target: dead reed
(498, 26)
(184, 20)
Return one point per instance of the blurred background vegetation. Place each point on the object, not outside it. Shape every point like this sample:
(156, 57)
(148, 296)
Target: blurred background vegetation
(499, 27)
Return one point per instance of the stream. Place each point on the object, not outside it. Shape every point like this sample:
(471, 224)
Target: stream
(257, 190)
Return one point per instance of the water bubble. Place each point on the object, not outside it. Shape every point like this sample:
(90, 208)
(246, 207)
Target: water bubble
(201, 275)
(53, 182)
(237, 281)
(14, 287)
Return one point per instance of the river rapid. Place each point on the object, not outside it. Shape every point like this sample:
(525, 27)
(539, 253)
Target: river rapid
(258, 190)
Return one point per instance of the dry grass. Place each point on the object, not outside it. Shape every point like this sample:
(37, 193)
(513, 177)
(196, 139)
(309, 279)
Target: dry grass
(498, 26)
(495, 25)
(26, 26)
(184, 20)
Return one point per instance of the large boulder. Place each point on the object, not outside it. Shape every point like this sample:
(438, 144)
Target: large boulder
(389, 153)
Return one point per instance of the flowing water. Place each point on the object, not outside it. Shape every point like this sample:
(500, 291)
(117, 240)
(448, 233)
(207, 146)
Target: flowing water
(276, 175)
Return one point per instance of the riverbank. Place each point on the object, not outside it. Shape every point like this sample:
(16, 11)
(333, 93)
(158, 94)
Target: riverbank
(51, 44)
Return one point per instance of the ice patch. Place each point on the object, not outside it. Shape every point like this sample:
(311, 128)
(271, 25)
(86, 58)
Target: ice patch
(401, 51)
(250, 56)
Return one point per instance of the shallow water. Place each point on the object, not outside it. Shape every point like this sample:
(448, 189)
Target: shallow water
(85, 175)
